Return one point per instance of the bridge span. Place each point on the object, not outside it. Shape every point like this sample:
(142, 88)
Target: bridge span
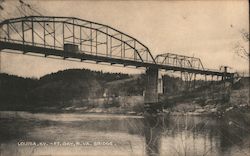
(70, 37)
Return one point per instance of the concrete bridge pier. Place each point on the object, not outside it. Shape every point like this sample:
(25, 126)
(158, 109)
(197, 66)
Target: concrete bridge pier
(151, 103)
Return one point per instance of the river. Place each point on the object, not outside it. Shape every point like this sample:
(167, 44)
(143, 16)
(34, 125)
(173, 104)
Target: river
(27, 134)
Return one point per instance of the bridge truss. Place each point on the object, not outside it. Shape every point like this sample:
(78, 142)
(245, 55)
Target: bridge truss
(70, 37)
(179, 61)
(74, 35)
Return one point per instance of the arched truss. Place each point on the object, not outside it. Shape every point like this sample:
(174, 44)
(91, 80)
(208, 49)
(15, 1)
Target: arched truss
(179, 61)
(74, 35)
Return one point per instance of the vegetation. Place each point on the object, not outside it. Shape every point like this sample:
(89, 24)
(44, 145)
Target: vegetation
(57, 89)
(92, 91)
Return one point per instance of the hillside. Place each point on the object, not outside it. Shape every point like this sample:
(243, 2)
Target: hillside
(91, 91)
(217, 99)
(61, 88)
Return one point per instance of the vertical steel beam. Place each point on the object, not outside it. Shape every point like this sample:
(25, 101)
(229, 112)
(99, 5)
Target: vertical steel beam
(80, 38)
(110, 53)
(44, 34)
(121, 47)
(134, 52)
(8, 31)
(23, 32)
(91, 38)
(32, 31)
(124, 50)
(54, 30)
(107, 48)
(63, 33)
(96, 42)
(73, 35)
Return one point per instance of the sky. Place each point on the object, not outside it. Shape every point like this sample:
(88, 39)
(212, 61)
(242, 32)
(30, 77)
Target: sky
(205, 29)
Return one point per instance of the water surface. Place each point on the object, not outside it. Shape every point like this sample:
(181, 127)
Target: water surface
(24, 134)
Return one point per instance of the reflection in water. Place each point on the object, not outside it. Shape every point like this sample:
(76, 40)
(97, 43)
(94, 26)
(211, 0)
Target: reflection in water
(195, 136)
(134, 136)
(152, 131)
(233, 134)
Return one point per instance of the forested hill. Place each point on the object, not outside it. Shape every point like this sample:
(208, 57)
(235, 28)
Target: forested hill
(57, 88)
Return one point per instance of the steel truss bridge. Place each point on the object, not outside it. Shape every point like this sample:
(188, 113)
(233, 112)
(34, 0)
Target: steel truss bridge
(69, 37)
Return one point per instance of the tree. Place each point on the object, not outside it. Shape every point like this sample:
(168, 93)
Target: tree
(242, 47)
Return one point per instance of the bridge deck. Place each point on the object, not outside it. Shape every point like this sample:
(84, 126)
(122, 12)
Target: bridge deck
(84, 56)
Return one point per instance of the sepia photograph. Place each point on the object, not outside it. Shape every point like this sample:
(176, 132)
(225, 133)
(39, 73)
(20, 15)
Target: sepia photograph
(124, 78)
